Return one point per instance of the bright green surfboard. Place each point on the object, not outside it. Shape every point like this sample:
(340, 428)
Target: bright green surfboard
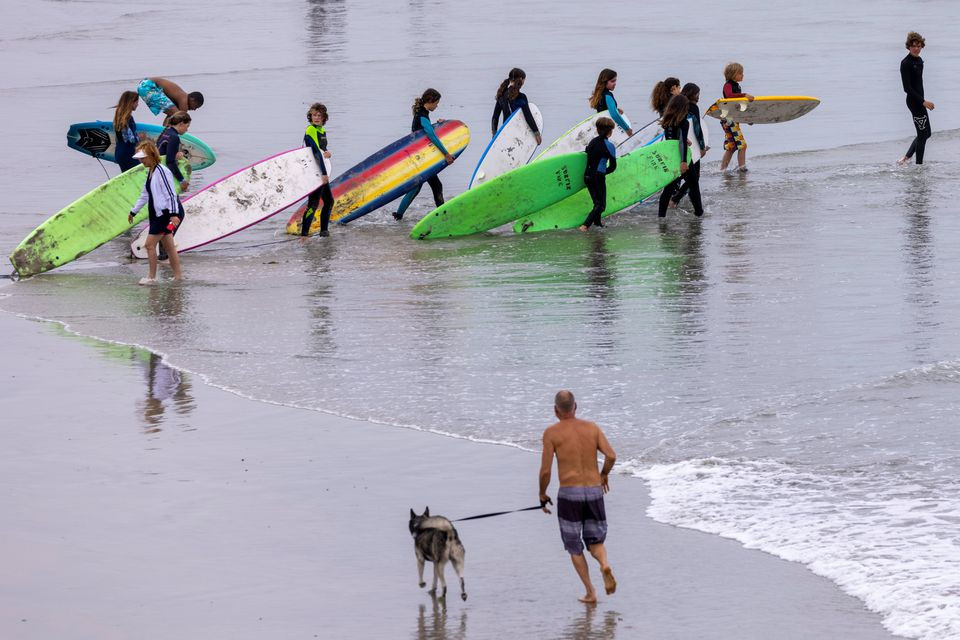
(512, 195)
(84, 225)
(639, 175)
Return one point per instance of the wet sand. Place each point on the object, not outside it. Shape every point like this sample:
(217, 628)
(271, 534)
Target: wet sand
(208, 515)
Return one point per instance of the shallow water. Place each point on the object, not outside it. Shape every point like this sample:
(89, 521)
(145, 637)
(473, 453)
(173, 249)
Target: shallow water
(782, 372)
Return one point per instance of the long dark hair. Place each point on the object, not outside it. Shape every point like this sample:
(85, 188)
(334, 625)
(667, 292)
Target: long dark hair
(430, 95)
(675, 111)
(661, 93)
(606, 75)
(125, 106)
(511, 86)
(691, 92)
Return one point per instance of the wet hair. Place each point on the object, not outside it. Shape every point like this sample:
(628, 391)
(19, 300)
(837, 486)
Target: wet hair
(606, 75)
(430, 95)
(318, 107)
(691, 92)
(512, 84)
(565, 402)
(915, 38)
(731, 70)
(605, 126)
(125, 106)
(194, 100)
(149, 147)
(661, 93)
(179, 117)
(675, 112)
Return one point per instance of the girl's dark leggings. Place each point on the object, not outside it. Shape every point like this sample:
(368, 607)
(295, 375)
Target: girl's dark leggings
(668, 191)
(691, 185)
(323, 193)
(921, 122)
(597, 186)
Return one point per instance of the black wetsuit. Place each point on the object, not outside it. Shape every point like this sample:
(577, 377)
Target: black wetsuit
(601, 160)
(435, 185)
(691, 179)
(127, 145)
(506, 106)
(911, 73)
(168, 144)
(316, 139)
(679, 133)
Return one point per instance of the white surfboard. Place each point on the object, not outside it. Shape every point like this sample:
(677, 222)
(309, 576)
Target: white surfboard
(513, 146)
(647, 134)
(762, 109)
(243, 199)
(577, 138)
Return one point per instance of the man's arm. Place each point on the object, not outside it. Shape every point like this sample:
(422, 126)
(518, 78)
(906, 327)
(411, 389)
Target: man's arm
(546, 464)
(609, 457)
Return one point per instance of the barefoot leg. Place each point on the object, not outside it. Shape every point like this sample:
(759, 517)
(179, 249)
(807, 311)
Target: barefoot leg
(580, 564)
(599, 552)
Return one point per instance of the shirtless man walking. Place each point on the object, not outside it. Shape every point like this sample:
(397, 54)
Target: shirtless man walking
(580, 510)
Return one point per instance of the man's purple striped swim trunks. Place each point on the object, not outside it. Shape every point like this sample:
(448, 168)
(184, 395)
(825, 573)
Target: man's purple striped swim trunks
(582, 517)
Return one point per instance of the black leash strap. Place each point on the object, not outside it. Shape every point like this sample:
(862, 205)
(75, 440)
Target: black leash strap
(501, 513)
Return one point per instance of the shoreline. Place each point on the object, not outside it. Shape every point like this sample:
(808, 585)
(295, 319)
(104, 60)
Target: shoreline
(209, 513)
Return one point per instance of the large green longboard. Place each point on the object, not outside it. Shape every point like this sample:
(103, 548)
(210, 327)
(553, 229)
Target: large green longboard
(639, 175)
(512, 195)
(84, 225)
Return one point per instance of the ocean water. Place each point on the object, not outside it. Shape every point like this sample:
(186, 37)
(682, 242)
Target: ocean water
(783, 372)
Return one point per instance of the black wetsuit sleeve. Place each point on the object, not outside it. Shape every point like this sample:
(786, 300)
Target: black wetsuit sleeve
(697, 128)
(173, 146)
(495, 122)
(911, 81)
(528, 115)
(317, 153)
(684, 132)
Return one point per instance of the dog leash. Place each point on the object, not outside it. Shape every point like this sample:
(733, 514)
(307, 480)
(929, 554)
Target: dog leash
(501, 513)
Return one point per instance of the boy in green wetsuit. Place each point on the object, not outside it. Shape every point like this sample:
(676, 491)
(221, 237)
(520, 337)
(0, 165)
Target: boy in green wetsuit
(316, 138)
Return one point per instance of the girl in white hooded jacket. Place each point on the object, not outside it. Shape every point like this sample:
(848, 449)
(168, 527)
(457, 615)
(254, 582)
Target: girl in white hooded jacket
(166, 212)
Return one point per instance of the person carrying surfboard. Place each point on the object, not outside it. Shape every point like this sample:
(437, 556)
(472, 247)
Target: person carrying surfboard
(601, 160)
(602, 99)
(422, 107)
(165, 210)
(675, 127)
(168, 144)
(125, 128)
(691, 179)
(165, 96)
(509, 98)
(662, 92)
(316, 138)
(733, 137)
(911, 74)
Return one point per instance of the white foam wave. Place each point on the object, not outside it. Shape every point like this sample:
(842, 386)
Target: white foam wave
(894, 546)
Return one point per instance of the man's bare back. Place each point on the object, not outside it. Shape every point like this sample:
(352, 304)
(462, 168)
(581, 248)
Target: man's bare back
(576, 442)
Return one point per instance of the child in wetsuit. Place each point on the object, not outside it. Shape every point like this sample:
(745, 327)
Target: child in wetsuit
(422, 107)
(662, 92)
(316, 138)
(911, 75)
(675, 127)
(733, 137)
(509, 98)
(691, 179)
(602, 99)
(168, 144)
(601, 160)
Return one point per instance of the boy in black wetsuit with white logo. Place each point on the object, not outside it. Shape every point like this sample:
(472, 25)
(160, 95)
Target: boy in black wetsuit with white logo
(601, 160)
(911, 74)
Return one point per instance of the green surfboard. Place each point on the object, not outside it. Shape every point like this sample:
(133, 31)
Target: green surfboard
(84, 225)
(512, 195)
(639, 175)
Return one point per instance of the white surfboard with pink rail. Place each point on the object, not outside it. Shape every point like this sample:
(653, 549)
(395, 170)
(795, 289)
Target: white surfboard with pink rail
(243, 199)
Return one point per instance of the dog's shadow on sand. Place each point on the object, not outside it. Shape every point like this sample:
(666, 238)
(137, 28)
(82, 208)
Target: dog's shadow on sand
(437, 626)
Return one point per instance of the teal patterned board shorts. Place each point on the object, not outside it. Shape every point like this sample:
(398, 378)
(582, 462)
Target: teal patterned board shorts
(153, 96)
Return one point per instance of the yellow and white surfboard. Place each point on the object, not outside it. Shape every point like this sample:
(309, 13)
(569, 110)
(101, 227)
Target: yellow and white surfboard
(763, 109)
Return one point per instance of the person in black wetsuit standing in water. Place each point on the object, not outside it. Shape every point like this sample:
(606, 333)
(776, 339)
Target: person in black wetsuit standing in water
(911, 73)
(509, 99)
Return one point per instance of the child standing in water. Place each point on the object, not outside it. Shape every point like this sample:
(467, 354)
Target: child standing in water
(675, 127)
(911, 75)
(165, 210)
(509, 99)
(125, 128)
(601, 160)
(316, 138)
(733, 138)
(662, 92)
(422, 108)
(602, 99)
(691, 179)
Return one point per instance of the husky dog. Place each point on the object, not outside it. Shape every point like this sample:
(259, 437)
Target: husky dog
(435, 539)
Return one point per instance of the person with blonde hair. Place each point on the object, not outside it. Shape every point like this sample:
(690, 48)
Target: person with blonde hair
(165, 211)
(911, 74)
(733, 141)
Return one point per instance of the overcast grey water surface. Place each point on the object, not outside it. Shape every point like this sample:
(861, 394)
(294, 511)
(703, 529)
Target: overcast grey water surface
(784, 371)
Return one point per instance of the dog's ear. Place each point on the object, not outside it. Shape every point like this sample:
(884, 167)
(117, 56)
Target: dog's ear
(426, 512)
(412, 514)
